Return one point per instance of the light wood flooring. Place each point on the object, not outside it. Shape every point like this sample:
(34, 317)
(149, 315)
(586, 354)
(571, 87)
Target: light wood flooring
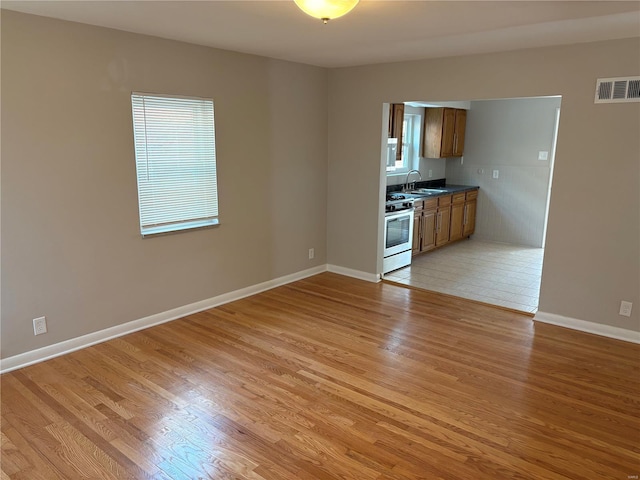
(331, 378)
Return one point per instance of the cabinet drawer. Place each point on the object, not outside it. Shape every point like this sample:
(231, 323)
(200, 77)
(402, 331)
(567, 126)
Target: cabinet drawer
(458, 197)
(472, 194)
(430, 204)
(444, 200)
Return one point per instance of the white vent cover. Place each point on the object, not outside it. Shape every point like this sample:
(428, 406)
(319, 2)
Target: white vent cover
(618, 90)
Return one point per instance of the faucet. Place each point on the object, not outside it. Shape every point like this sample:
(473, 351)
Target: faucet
(406, 183)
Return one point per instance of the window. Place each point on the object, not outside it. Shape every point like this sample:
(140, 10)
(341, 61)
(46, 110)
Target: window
(407, 139)
(175, 162)
(410, 147)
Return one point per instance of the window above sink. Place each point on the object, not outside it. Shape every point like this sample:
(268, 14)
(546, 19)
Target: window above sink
(410, 145)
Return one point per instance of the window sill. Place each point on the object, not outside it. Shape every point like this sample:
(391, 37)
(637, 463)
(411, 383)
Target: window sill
(397, 173)
(179, 227)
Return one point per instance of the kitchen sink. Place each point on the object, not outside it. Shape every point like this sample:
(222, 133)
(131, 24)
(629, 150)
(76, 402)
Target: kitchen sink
(428, 191)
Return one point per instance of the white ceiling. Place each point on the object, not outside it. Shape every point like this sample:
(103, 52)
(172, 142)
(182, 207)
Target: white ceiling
(374, 32)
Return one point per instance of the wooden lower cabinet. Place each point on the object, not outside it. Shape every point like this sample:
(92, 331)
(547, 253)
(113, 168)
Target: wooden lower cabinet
(443, 225)
(428, 230)
(469, 216)
(457, 217)
(444, 219)
(424, 226)
(417, 231)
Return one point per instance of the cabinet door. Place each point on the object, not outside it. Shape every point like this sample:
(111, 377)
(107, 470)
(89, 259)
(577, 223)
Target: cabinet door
(448, 132)
(458, 137)
(397, 127)
(428, 230)
(432, 132)
(469, 217)
(443, 217)
(417, 233)
(457, 219)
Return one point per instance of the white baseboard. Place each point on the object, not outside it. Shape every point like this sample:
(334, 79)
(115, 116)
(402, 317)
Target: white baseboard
(589, 327)
(67, 346)
(369, 277)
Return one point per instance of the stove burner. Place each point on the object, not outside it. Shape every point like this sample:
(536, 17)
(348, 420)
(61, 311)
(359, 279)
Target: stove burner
(396, 202)
(395, 196)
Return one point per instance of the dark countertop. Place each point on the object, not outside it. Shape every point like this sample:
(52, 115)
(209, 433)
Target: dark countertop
(448, 190)
(459, 188)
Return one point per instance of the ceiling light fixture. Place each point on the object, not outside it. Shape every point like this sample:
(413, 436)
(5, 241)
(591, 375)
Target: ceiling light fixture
(325, 10)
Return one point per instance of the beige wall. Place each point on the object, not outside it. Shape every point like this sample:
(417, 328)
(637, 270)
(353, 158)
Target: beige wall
(71, 248)
(593, 241)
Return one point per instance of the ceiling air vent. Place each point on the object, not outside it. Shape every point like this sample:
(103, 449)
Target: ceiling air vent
(618, 90)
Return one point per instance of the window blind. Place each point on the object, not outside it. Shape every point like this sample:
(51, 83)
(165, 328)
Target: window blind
(175, 162)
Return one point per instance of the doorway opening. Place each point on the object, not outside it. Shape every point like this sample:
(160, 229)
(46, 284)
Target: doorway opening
(509, 153)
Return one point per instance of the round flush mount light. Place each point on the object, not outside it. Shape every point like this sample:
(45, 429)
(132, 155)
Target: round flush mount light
(326, 10)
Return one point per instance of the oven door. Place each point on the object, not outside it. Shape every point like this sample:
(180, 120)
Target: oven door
(398, 232)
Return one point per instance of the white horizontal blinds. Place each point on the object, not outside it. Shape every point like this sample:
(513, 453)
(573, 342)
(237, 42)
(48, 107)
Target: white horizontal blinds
(175, 161)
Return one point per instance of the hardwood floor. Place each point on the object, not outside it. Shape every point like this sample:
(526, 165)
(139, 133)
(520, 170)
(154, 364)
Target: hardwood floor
(331, 378)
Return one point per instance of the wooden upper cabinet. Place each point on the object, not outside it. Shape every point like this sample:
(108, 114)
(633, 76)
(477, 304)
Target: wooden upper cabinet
(396, 122)
(460, 126)
(448, 132)
(398, 118)
(443, 132)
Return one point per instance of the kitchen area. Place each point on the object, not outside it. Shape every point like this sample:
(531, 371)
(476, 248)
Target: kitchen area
(467, 191)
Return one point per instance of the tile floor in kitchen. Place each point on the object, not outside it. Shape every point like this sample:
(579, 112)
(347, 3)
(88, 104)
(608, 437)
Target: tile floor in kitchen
(499, 274)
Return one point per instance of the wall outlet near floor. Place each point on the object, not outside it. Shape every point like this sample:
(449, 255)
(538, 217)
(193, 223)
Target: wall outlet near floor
(496, 173)
(312, 253)
(39, 325)
(543, 155)
(625, 308)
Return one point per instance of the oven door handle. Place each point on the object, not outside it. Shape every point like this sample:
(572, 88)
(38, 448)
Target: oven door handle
(398, 213)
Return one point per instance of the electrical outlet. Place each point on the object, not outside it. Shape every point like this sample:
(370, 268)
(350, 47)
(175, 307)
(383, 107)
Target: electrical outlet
(39, 325)
(430, 173)
(625, 308)
(543, 155)
(481, 171)
(496, 173)
(312, 253)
